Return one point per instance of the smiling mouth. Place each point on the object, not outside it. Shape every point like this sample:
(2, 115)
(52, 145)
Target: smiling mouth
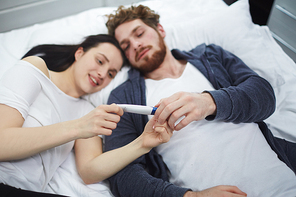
(93, 80)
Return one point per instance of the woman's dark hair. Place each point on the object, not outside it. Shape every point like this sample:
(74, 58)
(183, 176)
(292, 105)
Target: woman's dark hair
(60, 57)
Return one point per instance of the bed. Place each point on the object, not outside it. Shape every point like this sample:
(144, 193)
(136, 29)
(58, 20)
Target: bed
(187, 25)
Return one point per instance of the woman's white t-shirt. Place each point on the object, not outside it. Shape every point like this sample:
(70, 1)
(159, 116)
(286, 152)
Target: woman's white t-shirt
(41, 103)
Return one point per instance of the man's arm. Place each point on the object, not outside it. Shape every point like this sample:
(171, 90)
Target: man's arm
(242, 95)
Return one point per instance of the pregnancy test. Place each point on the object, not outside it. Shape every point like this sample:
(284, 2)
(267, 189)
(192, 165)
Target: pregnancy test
(138, 109)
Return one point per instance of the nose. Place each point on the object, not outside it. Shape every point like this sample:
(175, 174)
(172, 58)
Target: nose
(136, 44)
(102, 72)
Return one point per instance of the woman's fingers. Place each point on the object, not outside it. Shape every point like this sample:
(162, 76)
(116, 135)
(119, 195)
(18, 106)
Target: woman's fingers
(163, 134)
(113, 108)
(155, 133)
(164, 130)
(100, 121)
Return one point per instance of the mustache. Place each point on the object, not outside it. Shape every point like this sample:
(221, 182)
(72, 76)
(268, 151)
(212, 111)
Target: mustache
(138, 52)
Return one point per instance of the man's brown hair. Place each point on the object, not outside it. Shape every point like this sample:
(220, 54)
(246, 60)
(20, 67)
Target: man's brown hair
(122, 15)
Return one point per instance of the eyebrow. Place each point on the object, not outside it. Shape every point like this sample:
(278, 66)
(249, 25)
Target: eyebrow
(104, 56)
(134, 30)
(114, 70)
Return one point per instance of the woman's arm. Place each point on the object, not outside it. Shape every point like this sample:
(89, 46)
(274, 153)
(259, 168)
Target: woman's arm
(17, 142)
(94, 165)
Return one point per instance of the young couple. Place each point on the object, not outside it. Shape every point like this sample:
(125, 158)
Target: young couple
(43, 116)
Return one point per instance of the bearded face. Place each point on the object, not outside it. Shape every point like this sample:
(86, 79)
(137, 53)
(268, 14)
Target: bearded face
(151, 63)
(143, 45)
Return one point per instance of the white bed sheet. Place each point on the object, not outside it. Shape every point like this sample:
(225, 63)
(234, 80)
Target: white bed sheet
(187, 25)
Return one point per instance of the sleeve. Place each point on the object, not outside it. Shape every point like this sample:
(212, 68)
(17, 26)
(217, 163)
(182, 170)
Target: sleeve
(147, 175)
(242, 96)
(19, 87)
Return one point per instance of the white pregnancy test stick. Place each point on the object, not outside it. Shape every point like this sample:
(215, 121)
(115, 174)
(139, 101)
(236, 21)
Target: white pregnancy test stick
(138, 109)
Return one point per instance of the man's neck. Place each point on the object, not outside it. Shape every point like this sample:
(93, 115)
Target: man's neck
(170, 68)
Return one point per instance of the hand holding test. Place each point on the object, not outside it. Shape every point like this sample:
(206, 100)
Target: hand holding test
(138, 109)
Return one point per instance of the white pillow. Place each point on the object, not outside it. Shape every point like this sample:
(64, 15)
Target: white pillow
(233, 29)
(72, 29)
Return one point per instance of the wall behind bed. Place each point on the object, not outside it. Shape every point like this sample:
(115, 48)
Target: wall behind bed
(16, 14)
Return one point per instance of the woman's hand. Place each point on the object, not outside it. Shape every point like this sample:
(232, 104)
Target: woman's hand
(191, 106)
(100, 121)
(155, 134)
(95, 166)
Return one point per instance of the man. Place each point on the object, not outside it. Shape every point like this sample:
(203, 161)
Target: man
(190, 89)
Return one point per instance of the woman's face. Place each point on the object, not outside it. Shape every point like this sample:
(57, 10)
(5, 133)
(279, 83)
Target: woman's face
(95, 68)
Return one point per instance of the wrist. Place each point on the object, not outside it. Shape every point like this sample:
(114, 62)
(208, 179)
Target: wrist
(70, 131)
(190, 194)
(212, 108)
(139, 144)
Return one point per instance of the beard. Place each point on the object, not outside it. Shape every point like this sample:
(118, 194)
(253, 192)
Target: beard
(152, 63)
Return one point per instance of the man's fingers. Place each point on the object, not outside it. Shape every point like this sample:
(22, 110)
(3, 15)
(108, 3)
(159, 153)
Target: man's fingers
(163, 104)
(172, 112)
(184, 122)
(232, 189)
(236, 190)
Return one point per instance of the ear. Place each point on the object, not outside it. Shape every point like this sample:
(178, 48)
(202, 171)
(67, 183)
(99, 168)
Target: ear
(161, 30)
(79, 53)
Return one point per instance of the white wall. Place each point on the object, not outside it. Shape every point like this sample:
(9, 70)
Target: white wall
(21, 13)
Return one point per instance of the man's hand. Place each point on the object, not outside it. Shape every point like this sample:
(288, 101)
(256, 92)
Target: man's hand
(218, 191)
(191, 106)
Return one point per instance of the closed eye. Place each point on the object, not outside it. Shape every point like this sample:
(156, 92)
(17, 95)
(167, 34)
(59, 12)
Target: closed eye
(126, 48)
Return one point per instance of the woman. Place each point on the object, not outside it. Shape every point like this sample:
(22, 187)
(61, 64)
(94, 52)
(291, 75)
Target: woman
(43, 115)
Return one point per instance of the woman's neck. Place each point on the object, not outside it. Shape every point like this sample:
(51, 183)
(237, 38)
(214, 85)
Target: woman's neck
(65, 82)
